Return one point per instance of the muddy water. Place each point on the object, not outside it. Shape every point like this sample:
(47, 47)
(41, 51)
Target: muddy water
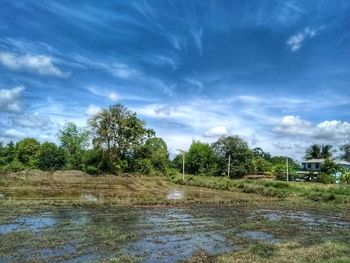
(154, 234)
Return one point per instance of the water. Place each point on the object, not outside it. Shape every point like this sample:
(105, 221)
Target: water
(29, 223)
(305, 217)
(165, 234)
(260, 236)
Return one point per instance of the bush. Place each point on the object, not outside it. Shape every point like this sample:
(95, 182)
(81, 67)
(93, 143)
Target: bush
(91, 169)
(326, 178)
(51, 157)
(14, 166)
(93, 161)
(143, 166)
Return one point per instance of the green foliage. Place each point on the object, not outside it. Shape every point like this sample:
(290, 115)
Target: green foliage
(14, 166)
(94, 161)
(156, 150)
(329, 167)
(241, 156)
(119, 131)
(345, 152)
(51, 157)
(325, 178)
(263, 250)
(317, 151)
(258, 152)
(201, 159)
(73, 140)
(143, 166)
(10, 153)
(27, 150)
(345, 177)
(261, 166)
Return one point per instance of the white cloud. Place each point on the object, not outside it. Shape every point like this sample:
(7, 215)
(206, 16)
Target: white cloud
(93, 109)
(123, 71)
(111, 95)
(40, 64)
(34, 120)
(296, 41)
(10, 99)
(217, 131)
(14, 134)
(327, 130)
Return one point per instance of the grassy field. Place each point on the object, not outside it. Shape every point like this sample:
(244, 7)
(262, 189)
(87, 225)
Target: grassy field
(334, 193)
(73, 217)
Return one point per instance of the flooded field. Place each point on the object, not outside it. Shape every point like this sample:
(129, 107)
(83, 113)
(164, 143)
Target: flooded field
(157, 234)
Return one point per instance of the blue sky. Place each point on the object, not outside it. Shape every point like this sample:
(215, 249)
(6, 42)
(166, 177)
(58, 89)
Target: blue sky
(276, 73)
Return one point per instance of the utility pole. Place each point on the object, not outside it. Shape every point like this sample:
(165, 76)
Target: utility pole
(228, 167)
(183, 166)
(287, 169)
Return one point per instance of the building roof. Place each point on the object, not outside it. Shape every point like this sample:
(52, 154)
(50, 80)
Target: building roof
(343, 162)
(314, 161)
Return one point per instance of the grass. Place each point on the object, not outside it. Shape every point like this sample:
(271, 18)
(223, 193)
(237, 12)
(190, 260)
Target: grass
(269, 188)
(67, 188)
(290, 252)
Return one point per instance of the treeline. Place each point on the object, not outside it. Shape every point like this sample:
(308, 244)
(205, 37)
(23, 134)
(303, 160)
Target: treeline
(116, 141)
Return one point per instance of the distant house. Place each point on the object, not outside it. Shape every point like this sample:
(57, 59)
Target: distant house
(315, 164)
(344, 164)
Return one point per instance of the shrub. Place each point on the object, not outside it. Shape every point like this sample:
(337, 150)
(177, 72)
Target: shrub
(326, 178)
(51, 157)
(143, 166)
(14, 166)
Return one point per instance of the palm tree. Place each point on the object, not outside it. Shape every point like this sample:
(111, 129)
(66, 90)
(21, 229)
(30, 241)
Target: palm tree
(318, 151)
(326, 151)
(313, 152)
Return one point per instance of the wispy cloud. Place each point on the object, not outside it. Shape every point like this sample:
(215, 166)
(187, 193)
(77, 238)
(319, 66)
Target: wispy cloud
(40, 64)
(92, 110)
(111, 95)
(10, 99)
(296, 41)
(34, 120)
(13, 134)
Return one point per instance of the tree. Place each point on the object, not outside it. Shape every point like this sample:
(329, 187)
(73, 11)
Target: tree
(258, 152)
(156, 150)
(2, 155)
(241, 155)
(10, 152)
(74, 141)
(261, 166)
(346, 152)
(27, 150)
(51, 157)
(118, 131)
(201, 159)
(317, 151)
(313, 152)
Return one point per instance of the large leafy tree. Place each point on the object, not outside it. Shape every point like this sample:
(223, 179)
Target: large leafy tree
(118, 131)
(74, 141)
(27, 150)
(317, 151)
(201, 159)
(241, 155)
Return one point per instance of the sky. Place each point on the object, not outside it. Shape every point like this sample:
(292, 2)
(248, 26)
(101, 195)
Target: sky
(276, 73)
